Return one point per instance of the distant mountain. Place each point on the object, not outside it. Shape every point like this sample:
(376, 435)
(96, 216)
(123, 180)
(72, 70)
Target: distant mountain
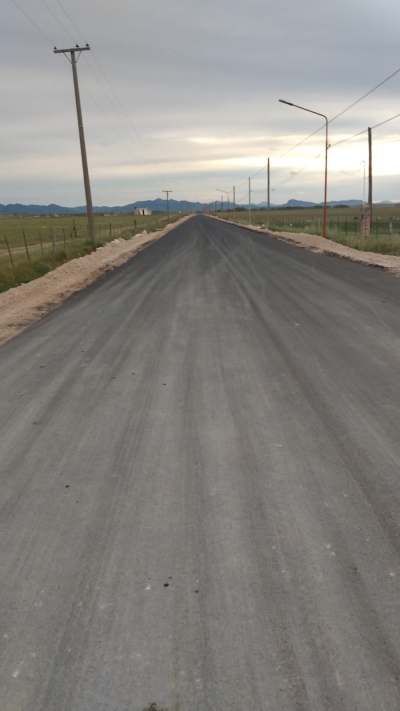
(160, 205)
(331, 203)
(299, 203)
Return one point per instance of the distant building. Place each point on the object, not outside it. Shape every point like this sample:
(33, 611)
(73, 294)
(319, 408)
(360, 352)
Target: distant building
(142, 211)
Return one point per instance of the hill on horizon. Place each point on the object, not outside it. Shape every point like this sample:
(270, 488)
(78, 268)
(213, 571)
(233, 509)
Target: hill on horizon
(160, 205)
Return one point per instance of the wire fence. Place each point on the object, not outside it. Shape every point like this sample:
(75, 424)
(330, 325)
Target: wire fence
(355, 229)
(27, 252)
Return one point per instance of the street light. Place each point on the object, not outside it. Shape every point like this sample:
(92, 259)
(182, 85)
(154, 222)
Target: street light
(226, 193)
(326, 155)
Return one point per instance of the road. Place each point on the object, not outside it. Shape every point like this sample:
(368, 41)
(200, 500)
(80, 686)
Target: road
(200, 489)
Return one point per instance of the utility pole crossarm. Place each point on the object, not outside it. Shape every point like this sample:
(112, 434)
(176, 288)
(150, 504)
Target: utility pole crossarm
(72, 49)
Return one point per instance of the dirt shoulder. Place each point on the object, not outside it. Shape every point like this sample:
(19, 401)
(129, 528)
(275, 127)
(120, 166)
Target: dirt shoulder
(319, 244)
(25, 304)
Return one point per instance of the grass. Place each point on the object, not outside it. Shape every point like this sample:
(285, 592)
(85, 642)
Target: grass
(343, 225)
(39, 244)
(23, 270)
(38, 230)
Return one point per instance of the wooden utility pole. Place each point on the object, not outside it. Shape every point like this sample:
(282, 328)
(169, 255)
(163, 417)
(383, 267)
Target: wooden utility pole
(167, 192)
(234, 202)
(89, 206)
(268, 196)
(370, 178)
(249, 201)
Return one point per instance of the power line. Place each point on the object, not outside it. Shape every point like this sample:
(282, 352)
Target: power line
(350, 138)
(146, 155)
(130, 139)
(387, 121)
(146, 159)
(33, 22)
(365, 95)
(344, 140)
(57, 20)
(343, 112)
(101, 86)
(291, 177)
(331, 121)
(71, 21)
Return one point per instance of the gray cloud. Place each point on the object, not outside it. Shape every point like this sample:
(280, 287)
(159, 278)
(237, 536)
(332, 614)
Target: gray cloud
(189, 96)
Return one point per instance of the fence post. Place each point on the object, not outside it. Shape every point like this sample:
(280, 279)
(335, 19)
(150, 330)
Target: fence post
(9, 252)
(53, 239)
(26, 246)
(41, 243)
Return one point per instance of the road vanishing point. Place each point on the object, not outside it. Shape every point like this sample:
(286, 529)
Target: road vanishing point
(200, 485)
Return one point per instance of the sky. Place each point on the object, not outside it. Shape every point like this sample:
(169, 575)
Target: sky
(184, 96)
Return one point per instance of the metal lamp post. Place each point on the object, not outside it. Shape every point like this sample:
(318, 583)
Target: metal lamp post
(289, 103)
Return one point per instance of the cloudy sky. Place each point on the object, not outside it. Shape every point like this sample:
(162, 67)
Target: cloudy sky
(183, 96)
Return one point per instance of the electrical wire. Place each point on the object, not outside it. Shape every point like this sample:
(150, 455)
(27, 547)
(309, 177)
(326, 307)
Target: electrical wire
(57, 20)
(344, 140)
(145, 154)
(145, 159)
(111, 124)
(387, 121)
(33, 22)
(71, 21)
(341, 113)
(365, 95)
(350, 138)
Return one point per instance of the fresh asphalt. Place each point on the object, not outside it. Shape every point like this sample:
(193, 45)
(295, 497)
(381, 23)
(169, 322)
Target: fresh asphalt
(200, 485)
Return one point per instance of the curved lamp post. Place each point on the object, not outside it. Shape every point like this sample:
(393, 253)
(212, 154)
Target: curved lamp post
(326, 155)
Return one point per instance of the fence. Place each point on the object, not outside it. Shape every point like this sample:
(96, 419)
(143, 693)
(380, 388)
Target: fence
(27, 252)
(348, 225)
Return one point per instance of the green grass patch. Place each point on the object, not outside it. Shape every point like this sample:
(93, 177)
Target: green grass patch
(24, 270)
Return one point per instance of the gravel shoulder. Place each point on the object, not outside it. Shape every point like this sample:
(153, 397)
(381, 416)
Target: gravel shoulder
(25, 304)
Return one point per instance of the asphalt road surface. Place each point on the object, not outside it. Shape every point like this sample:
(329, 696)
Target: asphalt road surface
(200, 485)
